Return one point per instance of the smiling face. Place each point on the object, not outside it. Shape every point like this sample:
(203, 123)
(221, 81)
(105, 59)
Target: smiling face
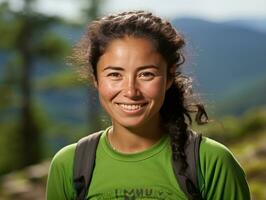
(131, 82)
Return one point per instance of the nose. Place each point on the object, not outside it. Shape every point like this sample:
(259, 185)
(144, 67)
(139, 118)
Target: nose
(131, 89)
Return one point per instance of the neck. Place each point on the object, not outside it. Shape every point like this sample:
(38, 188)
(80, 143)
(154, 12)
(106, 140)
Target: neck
(131, 140)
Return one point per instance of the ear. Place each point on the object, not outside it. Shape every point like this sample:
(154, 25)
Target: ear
(95, 82)
(170, 78)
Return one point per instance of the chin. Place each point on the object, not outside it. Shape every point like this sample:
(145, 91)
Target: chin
(130, 124)
(133, 122)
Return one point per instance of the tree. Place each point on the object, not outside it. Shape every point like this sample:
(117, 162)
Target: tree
(27, 36)
(91, 11)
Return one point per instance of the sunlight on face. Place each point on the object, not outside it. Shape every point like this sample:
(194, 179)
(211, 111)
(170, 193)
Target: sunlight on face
(132, 81)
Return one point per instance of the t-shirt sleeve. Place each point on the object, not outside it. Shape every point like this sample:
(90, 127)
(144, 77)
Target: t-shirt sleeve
(223, 177)
(60, 181)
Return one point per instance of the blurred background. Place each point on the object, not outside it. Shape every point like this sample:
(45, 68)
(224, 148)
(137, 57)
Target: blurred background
(44, 106)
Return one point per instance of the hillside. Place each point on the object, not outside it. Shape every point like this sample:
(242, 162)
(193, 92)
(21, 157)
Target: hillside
(222, 56)
(256, 24)
(243, 96)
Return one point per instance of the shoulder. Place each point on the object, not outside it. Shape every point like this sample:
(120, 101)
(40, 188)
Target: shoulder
(59, 182)
(213, 151)
(65, 152)
(221, 172)
(65, 156)
(217, 160)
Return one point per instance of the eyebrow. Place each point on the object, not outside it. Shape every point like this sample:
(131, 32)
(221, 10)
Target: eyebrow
(121, 68)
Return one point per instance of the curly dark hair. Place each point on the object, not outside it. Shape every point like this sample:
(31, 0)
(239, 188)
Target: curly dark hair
(179, 101)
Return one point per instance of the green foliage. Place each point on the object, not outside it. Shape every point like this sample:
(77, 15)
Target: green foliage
(254, 120)
(28, 36)
(64, 80)
(91, 9)
(251, 153)
(9, 142)
(257, 190)
(52, 47)
(243, 97)
(230, 128)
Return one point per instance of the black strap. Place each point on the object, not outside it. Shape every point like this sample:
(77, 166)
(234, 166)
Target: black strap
(84, 163)
(188, 179)
(86, 153)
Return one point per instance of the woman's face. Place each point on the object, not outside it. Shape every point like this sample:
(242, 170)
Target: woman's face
(132, 81)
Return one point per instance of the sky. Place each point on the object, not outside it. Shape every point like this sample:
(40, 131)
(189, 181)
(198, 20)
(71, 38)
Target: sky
(207, 9)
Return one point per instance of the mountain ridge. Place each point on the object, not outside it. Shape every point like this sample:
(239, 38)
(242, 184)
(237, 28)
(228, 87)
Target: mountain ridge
(221, 57)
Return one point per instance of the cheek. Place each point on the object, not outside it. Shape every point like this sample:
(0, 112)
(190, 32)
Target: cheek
(105, 95)
(155, 90)
(106, 90)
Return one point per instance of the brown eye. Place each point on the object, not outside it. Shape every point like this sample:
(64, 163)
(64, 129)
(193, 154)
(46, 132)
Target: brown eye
(146, 75)
(114, 75)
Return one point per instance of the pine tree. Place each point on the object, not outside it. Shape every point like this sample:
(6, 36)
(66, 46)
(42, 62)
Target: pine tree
(26, 35)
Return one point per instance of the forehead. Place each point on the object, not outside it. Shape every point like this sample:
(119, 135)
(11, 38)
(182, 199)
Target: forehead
(131, 42)
(131, 51)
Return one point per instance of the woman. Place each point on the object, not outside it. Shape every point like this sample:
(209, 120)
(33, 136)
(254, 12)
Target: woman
(134, 60)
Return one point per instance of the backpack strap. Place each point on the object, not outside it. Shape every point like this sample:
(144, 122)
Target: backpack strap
(188, 179)
(86, 153)
(84, 162)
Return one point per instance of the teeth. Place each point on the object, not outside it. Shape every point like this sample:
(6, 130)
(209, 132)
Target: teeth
(131, 107)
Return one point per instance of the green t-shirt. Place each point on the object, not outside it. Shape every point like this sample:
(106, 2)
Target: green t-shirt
(148, 174)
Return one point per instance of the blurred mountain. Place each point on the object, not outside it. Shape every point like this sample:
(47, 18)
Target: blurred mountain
(255, 24)
(226, 60)
(244, 97)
